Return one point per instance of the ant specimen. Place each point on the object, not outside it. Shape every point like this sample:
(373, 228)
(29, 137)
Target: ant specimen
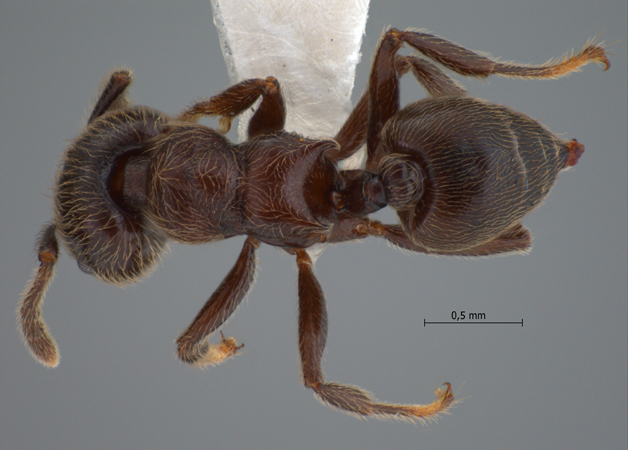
(460, 172)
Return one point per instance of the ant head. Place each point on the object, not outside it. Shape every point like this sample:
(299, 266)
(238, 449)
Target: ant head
(109, 238)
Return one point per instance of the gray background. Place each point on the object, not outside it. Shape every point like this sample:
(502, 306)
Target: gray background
(558, 382)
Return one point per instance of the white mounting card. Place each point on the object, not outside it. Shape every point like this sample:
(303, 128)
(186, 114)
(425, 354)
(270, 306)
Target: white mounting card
(311, 47)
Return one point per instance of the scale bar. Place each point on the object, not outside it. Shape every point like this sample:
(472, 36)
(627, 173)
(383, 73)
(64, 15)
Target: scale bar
(425, 322)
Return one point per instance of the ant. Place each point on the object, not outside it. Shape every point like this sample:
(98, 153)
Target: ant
(460, 172)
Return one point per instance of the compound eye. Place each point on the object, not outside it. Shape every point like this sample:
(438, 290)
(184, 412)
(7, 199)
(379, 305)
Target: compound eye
(402, 180)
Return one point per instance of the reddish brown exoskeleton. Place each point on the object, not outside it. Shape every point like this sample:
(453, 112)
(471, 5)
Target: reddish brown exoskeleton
(460, 172)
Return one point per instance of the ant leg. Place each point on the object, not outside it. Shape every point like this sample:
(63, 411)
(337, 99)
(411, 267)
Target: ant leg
(34, 330)
(383, 90)
(353, 132)
(270, 116)
(312, 321)
(192, 346)
(466, 62)
(383, 94)
(433, 80)
(112, 96)
(350, 228)
(234, 100)
(515, 239)
(351, 399)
